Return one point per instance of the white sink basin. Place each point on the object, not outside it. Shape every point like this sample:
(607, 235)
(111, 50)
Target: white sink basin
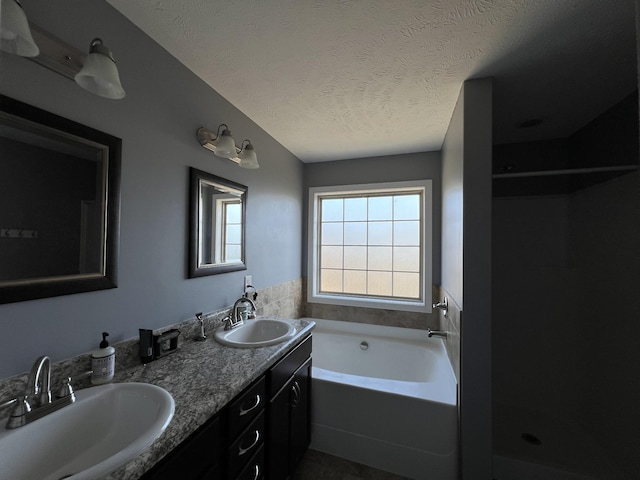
(256, 333)
(106, 427)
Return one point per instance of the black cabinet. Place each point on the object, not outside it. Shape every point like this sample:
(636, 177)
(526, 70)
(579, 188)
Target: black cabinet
(289, 412)
(260, 435)
(197, 458)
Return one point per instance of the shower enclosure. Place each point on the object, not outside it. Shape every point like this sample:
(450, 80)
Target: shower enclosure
(566, 307)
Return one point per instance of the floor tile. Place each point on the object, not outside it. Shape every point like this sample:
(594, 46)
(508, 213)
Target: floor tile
(321, 466)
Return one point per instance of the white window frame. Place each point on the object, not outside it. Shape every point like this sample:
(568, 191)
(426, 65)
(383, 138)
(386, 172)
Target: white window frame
(221, 242)
(424, 303)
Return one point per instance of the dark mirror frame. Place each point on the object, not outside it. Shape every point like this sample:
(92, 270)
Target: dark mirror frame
(65, 285)
(194, 268)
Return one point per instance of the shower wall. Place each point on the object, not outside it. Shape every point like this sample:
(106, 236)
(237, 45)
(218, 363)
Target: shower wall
(604, 234)
(566, 310)
(536, 358)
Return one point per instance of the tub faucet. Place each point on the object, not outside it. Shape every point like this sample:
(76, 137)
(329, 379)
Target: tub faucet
(436, 333)
(443, 305)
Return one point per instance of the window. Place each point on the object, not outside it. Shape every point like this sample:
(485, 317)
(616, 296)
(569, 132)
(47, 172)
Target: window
(370, 245)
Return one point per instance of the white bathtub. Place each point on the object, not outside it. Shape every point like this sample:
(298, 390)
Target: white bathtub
(389, 402)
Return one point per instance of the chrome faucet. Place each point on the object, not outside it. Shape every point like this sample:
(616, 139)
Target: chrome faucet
(234, 319)
(443, 305)
(436, 333)
(39, 382)
(36, 401)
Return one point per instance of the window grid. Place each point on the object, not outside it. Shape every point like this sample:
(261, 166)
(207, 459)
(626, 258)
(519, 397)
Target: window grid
(392, 245)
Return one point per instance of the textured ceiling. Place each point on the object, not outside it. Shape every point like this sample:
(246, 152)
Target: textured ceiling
(337, 79)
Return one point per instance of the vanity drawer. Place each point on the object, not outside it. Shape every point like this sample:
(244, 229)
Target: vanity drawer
(285, 368)
(247, 407)
(254, 470)
(245, 446)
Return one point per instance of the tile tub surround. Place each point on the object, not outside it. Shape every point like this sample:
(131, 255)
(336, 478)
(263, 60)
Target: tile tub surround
(451, 323)
(375, 316)
(202, 377)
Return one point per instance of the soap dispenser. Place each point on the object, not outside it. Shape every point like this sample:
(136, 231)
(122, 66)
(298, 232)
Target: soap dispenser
(103, 362)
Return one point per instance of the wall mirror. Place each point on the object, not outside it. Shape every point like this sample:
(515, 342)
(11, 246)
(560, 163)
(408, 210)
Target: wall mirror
(217, 224)
(59, 205)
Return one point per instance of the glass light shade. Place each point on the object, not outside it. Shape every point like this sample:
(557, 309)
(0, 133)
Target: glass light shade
(15, 34)
(248, 157)
(99, 74)
(225, 146)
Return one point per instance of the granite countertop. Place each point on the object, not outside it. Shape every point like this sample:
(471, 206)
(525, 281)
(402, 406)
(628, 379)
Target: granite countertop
(202, 377)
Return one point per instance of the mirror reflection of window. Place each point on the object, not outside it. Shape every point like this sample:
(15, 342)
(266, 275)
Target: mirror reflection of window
(229, 235)
(221, 221)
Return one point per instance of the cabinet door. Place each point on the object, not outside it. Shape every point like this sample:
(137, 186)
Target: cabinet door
(278, 435)
(289, 424)
(193, 458)
(300, 415)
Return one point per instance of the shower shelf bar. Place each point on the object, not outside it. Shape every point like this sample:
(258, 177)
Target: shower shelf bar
(568, 171)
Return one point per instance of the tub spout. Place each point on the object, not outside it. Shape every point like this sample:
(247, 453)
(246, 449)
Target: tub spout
(437, 333)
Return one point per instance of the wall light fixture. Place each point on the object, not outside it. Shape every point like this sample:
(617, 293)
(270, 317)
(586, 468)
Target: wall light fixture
(15, 34)
(223, 145)
(96, 72)
(99, 74)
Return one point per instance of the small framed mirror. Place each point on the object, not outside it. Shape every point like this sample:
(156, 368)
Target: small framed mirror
(59, 205)
(216, 224)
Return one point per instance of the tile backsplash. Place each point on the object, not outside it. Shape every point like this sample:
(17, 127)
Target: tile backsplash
(283, 300)
(375, 316)
(451, 323)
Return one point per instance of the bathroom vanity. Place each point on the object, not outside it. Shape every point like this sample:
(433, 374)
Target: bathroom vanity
(261, 433)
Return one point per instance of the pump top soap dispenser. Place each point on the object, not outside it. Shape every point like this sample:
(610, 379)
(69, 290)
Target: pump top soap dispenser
(103, 362)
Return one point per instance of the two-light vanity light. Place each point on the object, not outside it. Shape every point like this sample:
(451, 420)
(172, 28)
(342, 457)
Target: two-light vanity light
(96, 72)
(223, 145)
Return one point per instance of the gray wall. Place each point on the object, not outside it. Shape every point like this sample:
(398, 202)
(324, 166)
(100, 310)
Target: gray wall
(157, 121)
(466, 264)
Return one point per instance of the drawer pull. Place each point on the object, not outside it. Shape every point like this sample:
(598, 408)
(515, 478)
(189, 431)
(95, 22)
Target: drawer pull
(244, 411)
(242, 451)
(257, 470)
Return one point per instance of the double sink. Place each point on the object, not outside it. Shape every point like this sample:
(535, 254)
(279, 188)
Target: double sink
(109, 425)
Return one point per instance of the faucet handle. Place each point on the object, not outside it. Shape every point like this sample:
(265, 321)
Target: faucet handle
(443, 305)
(18, 416)
(8, 403)
(66, 390)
